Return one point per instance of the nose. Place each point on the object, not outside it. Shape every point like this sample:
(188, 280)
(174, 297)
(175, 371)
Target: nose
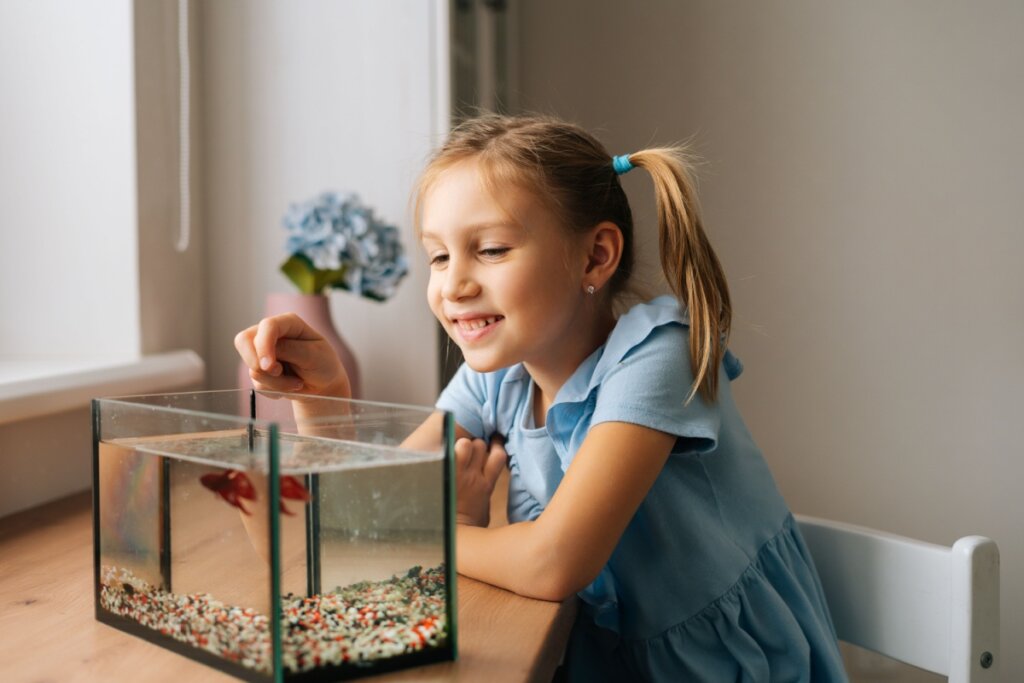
(459, 282)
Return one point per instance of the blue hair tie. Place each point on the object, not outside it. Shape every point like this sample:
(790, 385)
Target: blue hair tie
(621, 164)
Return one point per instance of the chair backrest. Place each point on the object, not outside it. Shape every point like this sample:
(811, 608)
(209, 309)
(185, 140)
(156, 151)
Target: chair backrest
(928, 605)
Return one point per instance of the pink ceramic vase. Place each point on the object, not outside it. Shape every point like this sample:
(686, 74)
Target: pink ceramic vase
(316, 311)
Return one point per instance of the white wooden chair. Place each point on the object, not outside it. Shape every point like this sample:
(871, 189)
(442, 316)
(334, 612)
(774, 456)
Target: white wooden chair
(928, 605)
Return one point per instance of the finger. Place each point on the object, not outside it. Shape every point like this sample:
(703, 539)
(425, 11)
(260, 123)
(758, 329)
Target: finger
(243, 344)
(270, 330)
(463, 453)
(497, 459)
(263, 381)
(264, 345)
(479, 455)
(306, 355)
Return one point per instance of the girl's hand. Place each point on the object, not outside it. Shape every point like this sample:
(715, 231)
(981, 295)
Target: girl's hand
(477, 467)
(285, 354)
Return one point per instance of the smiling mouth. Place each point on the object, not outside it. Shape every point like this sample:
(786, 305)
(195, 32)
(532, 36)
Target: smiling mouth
(478, 323)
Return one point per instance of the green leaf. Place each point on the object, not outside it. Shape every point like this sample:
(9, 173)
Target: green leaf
(300, 270)
(329, 278)
(307, 278)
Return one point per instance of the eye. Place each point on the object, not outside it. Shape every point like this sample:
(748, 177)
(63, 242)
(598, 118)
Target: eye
(494, 252)
(438, 259)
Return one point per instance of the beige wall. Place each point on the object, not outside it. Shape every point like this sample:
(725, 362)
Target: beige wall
(172, 301)
(862, 183)
(299, 98)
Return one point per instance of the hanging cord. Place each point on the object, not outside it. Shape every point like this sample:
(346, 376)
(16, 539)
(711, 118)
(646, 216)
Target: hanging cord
(184, 116)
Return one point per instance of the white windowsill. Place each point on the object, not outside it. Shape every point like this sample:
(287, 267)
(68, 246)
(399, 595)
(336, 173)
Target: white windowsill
(33, 387)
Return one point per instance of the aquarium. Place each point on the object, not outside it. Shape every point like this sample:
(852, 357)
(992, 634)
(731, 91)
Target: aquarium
(276, 537)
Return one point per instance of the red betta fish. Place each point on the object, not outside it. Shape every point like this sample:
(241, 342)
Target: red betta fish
(293, 489)
(234, 485)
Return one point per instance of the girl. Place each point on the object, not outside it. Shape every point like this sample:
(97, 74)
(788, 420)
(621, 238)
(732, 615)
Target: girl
(633, 480)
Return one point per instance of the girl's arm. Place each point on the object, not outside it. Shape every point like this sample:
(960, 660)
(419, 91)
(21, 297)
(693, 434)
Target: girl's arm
(286, 355)
(426, 436)
(564, 549)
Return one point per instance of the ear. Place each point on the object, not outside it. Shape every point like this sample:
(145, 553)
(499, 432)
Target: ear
(604, 243)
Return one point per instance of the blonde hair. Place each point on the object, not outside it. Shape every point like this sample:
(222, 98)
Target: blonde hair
(569, 170)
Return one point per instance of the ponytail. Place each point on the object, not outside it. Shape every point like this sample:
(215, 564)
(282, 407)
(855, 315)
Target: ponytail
(690, 264)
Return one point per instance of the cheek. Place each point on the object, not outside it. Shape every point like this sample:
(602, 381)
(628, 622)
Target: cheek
(434, 294)
(540, 283)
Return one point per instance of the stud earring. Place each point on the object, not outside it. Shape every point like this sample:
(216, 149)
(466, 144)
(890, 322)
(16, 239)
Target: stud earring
(590, 289)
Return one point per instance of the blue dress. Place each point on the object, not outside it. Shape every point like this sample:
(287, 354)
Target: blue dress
(711, 581)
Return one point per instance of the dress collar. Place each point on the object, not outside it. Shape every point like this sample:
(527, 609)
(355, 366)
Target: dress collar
(630, 331)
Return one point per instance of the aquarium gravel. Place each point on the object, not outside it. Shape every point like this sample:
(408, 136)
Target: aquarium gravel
(356, 624)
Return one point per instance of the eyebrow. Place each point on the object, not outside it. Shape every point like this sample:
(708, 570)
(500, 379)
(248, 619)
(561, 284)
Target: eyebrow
(476, 227)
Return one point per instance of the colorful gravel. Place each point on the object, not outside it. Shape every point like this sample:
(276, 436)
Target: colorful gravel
(355, 625)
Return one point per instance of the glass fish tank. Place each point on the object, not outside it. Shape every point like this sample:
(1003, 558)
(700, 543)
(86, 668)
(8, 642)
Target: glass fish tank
(276, 536)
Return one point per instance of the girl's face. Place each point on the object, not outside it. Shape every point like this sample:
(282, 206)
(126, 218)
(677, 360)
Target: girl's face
(505, 289)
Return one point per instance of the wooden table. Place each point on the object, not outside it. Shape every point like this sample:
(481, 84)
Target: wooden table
(48, 632)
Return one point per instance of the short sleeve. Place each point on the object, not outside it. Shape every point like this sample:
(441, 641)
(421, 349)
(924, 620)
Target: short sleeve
(466, 398)
(649, 387)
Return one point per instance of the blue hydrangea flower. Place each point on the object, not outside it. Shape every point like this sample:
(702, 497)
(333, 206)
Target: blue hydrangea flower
(336, 241)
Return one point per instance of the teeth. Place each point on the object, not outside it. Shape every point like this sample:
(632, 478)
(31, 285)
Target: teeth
(477, 324)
